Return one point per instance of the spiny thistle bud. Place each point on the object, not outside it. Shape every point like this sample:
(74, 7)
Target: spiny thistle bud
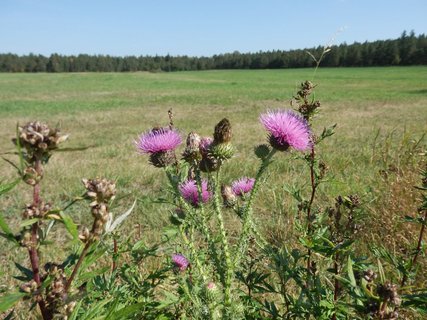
(262, 151)
(222, 133)
(192, 149)
(221, 152)
(38, 139)
(228, 196)
(209, 164)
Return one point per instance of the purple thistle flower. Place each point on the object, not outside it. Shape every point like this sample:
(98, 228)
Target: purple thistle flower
(180, 261)
(287, 129)
(158, 140)
(204, 145)
(190, 193)
(242, 186)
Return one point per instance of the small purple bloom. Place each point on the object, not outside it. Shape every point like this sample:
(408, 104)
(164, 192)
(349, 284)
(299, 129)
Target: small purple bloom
(205, 143)
(158, 140)
(287, 128)
(190, 193)
(180, 261)
(242, 186)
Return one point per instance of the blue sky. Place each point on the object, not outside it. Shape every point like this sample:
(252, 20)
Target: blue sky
(198, 27)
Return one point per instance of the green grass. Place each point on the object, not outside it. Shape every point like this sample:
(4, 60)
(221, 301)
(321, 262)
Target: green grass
(380, 112)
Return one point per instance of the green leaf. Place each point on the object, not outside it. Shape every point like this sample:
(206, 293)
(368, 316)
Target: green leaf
(381, 272)
(350, 272)
(6, 187)
(89, 275)
(70, 225)
(7, 302)
(127, 311)
(4, 226)
(29, 222)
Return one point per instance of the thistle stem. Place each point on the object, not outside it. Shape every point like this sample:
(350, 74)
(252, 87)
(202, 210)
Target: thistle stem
(417, 250)
(32, 250)
(225, 247)
(77, 266)
(247, 213)
(310, 204)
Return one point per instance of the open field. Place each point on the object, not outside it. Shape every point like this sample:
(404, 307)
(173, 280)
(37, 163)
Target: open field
(380, 113)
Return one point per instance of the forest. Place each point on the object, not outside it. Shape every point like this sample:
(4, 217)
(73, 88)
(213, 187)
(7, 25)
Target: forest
(408, 49)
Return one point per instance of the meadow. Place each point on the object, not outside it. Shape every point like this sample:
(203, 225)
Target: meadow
(376, 151)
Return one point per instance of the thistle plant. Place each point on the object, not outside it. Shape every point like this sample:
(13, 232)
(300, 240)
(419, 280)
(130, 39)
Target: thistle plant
(50, 284)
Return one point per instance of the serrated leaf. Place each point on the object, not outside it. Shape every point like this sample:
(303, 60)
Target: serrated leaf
(70, 225)
(7, 302)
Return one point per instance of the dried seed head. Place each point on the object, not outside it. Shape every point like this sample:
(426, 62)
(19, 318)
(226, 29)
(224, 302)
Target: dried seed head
(38, 139)
(31, 176)
(84, 235)
(99, 190)
(222, 133)
(369, 275)
(388, 293)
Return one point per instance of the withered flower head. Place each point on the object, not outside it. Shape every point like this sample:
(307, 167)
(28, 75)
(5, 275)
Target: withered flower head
(222, 133)
(99, 190)
(38, 139)
(228, 196)
(192, 149)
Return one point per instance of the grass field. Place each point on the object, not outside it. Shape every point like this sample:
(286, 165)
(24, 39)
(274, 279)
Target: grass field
(380, 114)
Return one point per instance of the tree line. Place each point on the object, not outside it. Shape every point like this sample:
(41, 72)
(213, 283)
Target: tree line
(408, 49)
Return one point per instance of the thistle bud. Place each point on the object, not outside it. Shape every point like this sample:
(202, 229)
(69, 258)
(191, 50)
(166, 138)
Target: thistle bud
(228, 196)
(262, 151)
(222, 133)
(192, 149)
(221, 152)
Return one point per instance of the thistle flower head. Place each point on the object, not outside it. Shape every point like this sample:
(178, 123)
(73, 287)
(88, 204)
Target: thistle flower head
(180, 262)
(158, 140)
(287, 129)
(190, 192)
(242, 186)
(205, 144)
